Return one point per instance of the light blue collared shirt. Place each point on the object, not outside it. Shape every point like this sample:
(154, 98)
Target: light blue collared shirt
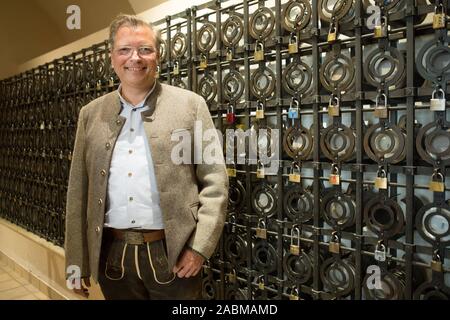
(133, 198)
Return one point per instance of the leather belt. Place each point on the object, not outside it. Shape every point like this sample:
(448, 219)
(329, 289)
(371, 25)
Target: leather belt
(137, 236)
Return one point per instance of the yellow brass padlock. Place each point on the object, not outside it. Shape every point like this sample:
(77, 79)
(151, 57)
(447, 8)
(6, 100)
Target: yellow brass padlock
(436, 263)
(261, 285)
(260, 174)
(99, 85)
(294, 248)
(229, 55)
(381, 179)
(332, 33)
(294, 294)
(380, 30)
(439, 17)
(111, 82)
(381, 111)
(176, 69)
(259, 51)
(437, 185)
(293, 44)
(203, 62)
(232, 278)
(333, 107)
(439, 21)
(294, 176)
(334, 245)
(231, 172)
(261, 231)
(260, 111)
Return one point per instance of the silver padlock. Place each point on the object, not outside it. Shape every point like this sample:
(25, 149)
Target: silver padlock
(380, 252)
(437, 104)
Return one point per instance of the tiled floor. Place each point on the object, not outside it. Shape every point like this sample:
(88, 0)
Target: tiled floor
(15, 287)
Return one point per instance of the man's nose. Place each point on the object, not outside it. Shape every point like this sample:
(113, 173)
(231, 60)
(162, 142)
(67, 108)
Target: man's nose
(134, 54)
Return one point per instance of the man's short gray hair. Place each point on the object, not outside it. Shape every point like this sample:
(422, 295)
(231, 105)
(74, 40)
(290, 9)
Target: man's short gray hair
(132, 21)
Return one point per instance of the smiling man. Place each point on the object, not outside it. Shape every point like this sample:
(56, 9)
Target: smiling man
(136, 222)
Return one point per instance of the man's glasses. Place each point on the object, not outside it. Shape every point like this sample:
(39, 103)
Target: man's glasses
(143, 51)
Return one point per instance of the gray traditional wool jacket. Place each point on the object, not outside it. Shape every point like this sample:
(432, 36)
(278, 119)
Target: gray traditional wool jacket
(193, 197)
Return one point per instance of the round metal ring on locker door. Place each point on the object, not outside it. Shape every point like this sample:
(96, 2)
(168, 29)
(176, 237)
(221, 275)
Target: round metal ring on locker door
(298, 204)
(233, 85)
(433, 223)
(433, 60)
(385, 65)
(261, 23)
(265, 256)
(232, 30)
(236, 195)
(297, 78)
(88, 71)
(179, 45)
(338, 276)
(298, 142)
(385, 142)
(207, 87)
(296, 15)
(341, 10)
(100, 68)
(298, 268)
(392, 285)
(337, 142)
(432, 290)
(206, 37)
(338, 209)
(235, 248)
(384, 216)
(162, 51)
(264, 200)
(236, 293)
(337, 72)
(433, 142)
(262, 83)
(210, 288)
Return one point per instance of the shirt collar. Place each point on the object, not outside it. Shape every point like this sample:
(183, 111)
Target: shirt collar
(140, 104)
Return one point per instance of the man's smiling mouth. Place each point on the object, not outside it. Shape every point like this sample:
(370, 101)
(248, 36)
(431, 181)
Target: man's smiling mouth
(135, 68)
